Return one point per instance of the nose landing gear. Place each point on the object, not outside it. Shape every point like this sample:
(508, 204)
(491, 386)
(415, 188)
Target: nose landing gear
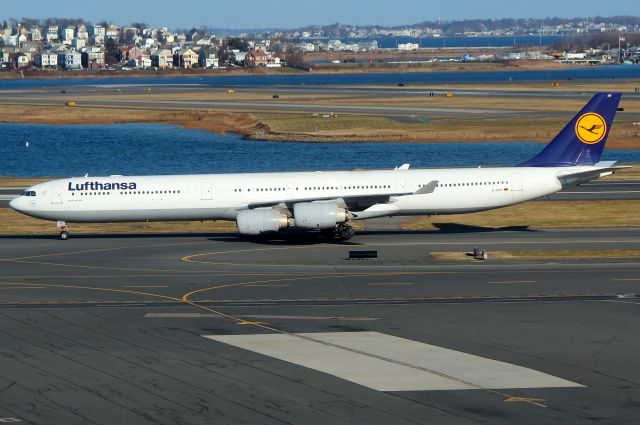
(64, 231)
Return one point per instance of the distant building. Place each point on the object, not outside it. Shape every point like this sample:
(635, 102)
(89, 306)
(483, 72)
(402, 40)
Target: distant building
(257, 58)
(130, 53)
(52, 34)
(185, 58)
(36, 35)
(408, 46)
(67, 34)
(98, 35)
(70, 59)
(162, 59)
(83, 33)
(22, 60)
(208, 58)
(46, 59)
(93, 57)
(128, 34)
(113, 31)
(78, 43)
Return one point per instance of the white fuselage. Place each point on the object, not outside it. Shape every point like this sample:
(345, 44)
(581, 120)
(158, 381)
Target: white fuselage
(367, 194)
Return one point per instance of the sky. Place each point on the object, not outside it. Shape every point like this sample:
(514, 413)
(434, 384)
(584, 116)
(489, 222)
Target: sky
(259, 14)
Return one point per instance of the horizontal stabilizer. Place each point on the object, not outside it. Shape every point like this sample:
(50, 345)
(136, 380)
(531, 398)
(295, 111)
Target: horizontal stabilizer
(601, 169)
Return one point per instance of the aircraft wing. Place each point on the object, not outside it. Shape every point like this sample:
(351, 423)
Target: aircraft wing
(352, 203)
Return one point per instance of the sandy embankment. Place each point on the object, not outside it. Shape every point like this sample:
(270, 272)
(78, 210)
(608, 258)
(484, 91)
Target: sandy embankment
(535, 118)
(343, 68)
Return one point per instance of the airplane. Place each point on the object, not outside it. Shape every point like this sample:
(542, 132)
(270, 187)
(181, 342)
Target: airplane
(328, 201)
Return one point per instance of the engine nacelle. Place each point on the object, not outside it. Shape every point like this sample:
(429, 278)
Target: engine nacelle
(255, 222)
(318, 215)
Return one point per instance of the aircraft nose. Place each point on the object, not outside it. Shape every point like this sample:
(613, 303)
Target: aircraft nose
(16, 204)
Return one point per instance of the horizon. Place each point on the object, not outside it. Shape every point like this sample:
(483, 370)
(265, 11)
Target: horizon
(288, 14)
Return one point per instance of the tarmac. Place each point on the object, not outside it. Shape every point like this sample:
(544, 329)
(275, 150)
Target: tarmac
(213, 328)
(89, 96)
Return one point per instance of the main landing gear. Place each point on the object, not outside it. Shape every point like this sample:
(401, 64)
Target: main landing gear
(64, 231)
(341, 231)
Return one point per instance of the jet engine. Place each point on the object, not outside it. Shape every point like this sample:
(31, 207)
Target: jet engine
(255, 222)
(319, 215)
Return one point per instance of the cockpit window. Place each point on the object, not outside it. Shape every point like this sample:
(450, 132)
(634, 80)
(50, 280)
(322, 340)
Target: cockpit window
(29, 193)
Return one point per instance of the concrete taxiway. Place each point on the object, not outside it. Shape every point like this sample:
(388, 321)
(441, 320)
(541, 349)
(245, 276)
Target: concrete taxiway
(217, 329)
(90, 96)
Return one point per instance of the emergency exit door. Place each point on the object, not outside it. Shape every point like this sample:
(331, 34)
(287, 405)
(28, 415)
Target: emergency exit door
(56, 195)
(206, 192)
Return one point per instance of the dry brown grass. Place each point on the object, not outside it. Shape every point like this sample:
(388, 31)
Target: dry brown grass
(216, 121)
(20, 182)
(556, 214)
(441, 126)
(538, 255)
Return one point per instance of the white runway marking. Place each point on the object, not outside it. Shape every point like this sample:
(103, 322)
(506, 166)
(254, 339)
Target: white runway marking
(388, 363)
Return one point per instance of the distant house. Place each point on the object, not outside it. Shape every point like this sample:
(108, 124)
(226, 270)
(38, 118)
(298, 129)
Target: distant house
(113, 31)
(52, 34)
(22, 60)
(128, 34)
(78, 43)
(148, 43)
(162, 58)
(257, 58)
(93, 57)
(70, 59)
(36, 35)
(46, 59)
(408, 46)
(185, 58)
(98, 35)
(144, 61)
(129, 53)
(67, 34)
(83, 33)
(208, 58)
(273, 62)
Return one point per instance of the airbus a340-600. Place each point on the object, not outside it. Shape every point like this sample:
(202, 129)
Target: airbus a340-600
(329, 200)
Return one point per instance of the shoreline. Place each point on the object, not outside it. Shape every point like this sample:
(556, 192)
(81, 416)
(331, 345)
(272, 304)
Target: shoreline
(328, 69)
(250, 128)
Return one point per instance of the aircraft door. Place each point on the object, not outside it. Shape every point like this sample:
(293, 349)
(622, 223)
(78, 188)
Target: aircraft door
(290, 191)
(401, 184)
(516, 182)
(206, 193)
(56, 195)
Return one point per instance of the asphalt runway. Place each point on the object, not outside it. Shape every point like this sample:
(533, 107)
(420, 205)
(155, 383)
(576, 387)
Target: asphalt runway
(88, 96)
(367, 91)
(206, 329)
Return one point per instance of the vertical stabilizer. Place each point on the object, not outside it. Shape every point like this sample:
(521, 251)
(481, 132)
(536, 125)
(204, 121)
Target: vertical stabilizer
(581, 141)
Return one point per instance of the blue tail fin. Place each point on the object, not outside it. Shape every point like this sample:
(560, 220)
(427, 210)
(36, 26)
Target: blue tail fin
(581, 141)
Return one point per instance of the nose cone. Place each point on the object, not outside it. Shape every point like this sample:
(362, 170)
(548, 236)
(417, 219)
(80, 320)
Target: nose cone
(17, 204)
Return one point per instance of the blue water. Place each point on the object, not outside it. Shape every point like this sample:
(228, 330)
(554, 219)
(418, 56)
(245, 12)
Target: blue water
(586, 73)
(458, 42)
(74, 150)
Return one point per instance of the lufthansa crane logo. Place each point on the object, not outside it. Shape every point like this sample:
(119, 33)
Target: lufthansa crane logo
(591, 128)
